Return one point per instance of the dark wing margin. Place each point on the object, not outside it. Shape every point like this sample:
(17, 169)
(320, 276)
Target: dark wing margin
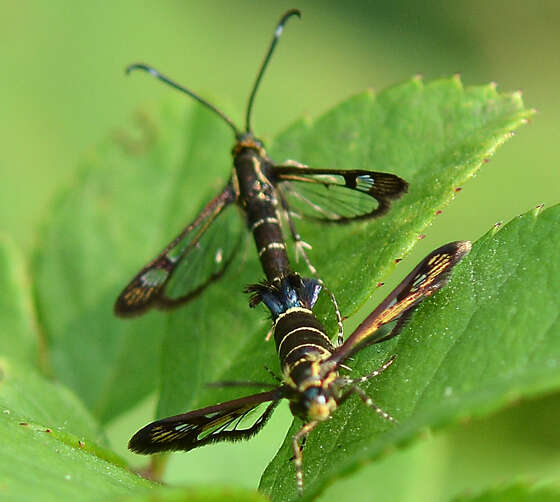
(200, 255)
(337, 196)
(220, 422)
(431, 274)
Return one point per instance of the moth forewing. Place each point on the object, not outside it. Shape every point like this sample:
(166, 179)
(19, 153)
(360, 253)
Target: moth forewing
(338, 195)
(426, 278)
(148, 287)
(220, 422)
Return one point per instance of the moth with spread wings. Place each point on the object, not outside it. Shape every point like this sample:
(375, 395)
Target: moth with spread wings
(266, 192)
(310, 363)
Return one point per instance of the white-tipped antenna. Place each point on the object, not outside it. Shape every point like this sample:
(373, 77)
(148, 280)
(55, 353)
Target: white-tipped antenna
(277, 32)
(185, 90)
(155, 73)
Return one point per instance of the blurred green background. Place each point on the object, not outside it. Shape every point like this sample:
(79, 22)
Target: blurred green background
(64, 91)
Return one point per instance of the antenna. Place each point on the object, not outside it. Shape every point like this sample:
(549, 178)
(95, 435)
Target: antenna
(277, 32)
(188, 92)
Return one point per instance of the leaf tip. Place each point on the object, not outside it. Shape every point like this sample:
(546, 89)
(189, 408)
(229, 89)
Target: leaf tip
(538, 210)
(457, 81)
(417, 81)
(492, 90)
(496, 227)
(307, 120)
(370, 93)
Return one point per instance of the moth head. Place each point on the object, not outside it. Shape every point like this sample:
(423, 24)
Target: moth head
(314, 403)
(247, 141)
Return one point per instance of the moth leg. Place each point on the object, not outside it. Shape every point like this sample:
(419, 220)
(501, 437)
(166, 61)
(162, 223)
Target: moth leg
(269, 334)
(340, 334)
(298, 455)
(373, 374)
(300, 246)
(301, 447)
(299, 243)
(368, 401)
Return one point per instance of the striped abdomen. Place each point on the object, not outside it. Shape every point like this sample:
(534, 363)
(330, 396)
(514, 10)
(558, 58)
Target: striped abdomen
(265, 226)
(257, 195)
(300, 338)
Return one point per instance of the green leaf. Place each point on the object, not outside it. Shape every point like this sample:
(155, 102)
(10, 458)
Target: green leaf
(40, 463)
(18, 334)
(519, 492)
(132, 196)
(487, 340)
(25, 395)
(52, 449)
(37, 464)
(435, 136)
(49, 449)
